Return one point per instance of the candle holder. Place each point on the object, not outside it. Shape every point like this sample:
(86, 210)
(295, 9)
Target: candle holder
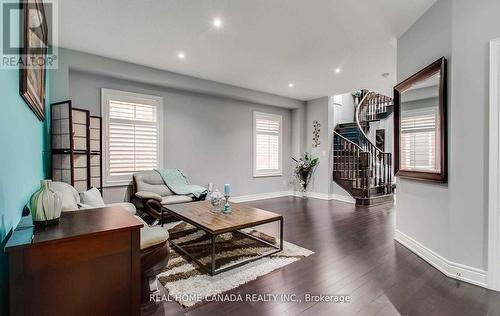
(227, 207)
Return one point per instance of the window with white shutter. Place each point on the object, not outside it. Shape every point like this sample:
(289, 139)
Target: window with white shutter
(267, 138)
(132, 134)
(419, 140)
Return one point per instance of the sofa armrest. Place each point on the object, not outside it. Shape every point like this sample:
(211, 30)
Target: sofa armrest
(153, 235)
(145, 195)
(82, 206)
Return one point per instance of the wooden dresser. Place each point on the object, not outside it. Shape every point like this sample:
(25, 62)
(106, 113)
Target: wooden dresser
(88, 264)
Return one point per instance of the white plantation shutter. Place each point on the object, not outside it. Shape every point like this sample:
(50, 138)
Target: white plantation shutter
(267, 144)
(419, 140)
(132, 134)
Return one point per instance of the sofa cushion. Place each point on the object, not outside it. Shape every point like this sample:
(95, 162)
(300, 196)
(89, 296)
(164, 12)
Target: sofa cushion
(148, 195)
(152, 235)
(92, 197)
(151, 181)
(175, 199)
(129, 207)
(70, 197)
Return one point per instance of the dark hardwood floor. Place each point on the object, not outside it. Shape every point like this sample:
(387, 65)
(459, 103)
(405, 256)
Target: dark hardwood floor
(355, 254)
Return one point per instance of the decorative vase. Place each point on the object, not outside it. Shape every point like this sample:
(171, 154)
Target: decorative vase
(217, 201)
(45, 205)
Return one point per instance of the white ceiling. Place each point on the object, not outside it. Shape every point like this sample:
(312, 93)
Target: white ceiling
(262, 45)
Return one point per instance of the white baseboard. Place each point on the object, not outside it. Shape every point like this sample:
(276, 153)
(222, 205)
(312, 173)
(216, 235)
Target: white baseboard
(342, 198)
(327, 197)
(316, 195)
(272, 195)
(450, 269)
(259, 196)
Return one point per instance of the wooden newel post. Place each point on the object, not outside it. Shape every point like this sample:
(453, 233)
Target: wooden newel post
(364, 158)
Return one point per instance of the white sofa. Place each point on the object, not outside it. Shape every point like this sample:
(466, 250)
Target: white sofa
(154, 239)
(150, 235)
(152, 195)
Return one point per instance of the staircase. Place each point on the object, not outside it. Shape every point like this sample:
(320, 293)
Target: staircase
(359, 166)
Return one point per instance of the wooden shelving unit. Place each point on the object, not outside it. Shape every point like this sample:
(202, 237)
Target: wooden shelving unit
(76, 146)
(95, 150)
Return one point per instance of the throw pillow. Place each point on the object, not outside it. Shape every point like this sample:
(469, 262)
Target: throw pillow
(92, 197)
(70, 197)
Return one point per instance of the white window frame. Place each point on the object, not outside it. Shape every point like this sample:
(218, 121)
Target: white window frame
(436, 142)
(110, 94)
(267, 173)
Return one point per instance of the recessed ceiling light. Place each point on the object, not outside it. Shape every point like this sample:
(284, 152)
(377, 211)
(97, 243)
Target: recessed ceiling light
(290, 85)
(337, 70)
(217, 22)
(181, 55)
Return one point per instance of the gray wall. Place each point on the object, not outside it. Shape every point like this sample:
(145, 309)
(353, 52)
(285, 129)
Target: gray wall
(423, 208)
(208, 137)
(475, 23)
(79, 61)
(317, 110)
(451, 219)
(217, 110)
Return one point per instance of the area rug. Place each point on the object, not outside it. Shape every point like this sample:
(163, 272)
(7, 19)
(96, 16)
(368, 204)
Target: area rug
(188, 284)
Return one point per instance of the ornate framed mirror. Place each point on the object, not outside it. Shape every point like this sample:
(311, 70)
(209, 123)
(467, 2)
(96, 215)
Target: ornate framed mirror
(420, 125)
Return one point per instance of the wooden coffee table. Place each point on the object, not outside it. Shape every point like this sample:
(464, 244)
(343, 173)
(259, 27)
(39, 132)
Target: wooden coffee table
(200, 215)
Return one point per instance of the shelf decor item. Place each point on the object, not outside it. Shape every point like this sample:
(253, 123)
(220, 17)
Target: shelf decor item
(217, 200)
(316, 131)
(227, 194)
(45, 205)
(303, 170)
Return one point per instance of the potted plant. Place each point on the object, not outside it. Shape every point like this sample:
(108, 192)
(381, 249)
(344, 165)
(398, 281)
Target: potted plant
(303, 170)
(357, 95)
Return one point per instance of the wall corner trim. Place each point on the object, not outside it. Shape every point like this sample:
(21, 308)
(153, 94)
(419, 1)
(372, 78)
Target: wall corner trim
(494, 168)
(450, 269)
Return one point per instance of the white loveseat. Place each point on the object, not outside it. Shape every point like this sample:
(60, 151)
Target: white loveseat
(150, 235)
(154, 239)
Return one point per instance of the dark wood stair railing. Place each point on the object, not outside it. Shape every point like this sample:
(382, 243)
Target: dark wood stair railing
(379, 162)
(372, 105)
(348, 161)
(362, 168)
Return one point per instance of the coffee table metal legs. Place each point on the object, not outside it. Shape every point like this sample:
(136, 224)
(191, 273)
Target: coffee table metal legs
(212, 256)
(210, 267)
(281, 234)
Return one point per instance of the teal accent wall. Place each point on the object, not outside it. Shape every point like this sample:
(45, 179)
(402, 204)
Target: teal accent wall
(24, 160)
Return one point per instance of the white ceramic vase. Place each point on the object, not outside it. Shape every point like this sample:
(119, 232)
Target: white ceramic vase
(46, 205)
